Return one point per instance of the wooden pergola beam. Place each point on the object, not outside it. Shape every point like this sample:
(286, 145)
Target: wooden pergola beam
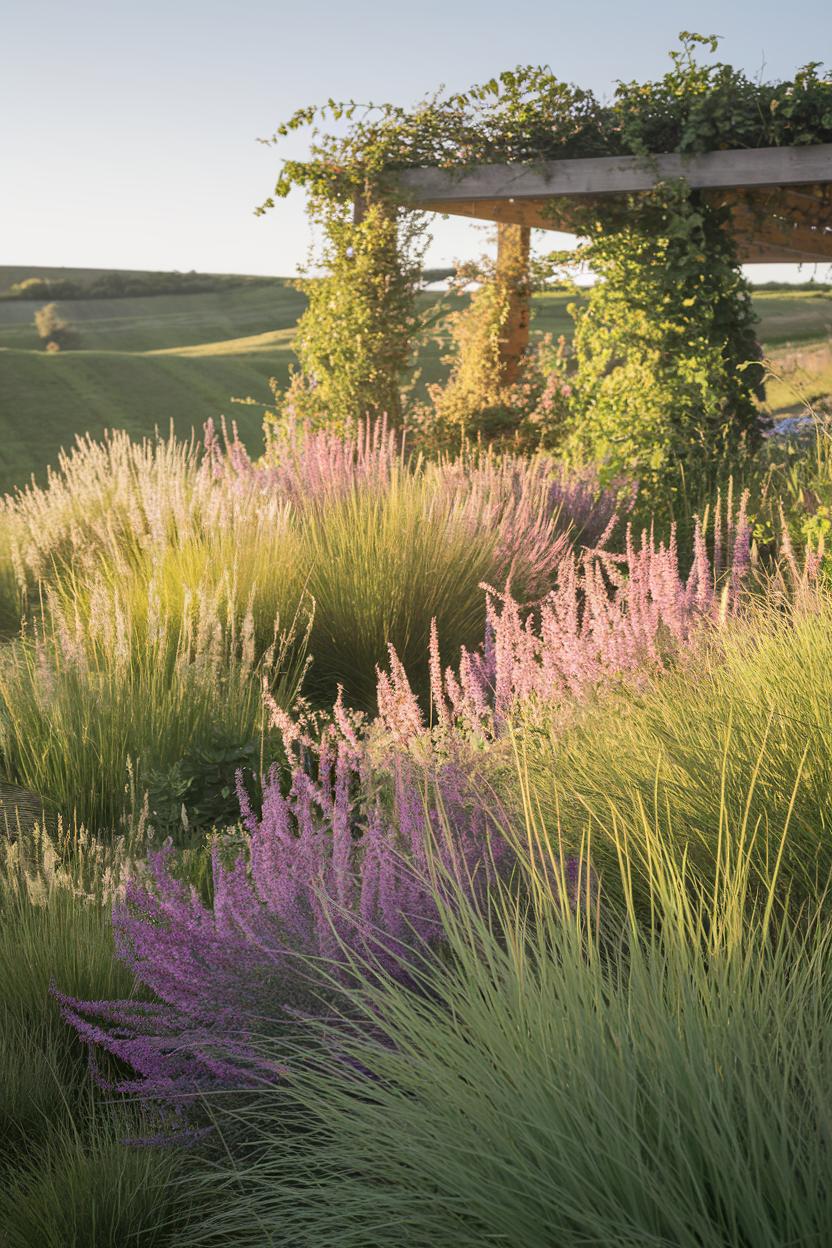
(540, 214)
(780, 200)
(782, 235)
(764, 253)
(786, 190)
(615, 175)
(809, 204)
(761, 237)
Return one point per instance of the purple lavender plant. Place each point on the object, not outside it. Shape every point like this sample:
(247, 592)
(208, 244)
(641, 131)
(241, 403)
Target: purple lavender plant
(609, 616)
(334, 876)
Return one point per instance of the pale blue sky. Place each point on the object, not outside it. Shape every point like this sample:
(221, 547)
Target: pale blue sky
(129, 129)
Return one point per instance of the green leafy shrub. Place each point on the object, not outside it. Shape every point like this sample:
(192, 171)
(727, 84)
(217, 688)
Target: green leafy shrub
(354, 341)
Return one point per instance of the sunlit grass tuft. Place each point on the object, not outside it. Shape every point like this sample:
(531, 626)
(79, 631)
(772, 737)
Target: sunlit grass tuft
(605, 1075)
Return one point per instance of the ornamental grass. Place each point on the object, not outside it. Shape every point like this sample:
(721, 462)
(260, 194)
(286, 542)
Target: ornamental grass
(597, 1072)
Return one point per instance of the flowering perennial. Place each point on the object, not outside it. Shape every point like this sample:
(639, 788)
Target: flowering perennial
(608, 616)
(329, 877)
(122, 500)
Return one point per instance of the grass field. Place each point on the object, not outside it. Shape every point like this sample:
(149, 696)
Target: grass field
(146, 361)
(159, 322)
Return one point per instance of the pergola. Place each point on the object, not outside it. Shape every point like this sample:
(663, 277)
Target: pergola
(780, 202)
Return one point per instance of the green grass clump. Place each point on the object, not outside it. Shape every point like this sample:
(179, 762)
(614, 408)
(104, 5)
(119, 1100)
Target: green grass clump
(593, 1076)
(380, 568)
(177, 697)
(91, 1190)
(732, 730)
(66, 1177)
(55, 897)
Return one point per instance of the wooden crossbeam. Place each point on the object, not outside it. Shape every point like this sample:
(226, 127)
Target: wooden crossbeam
(810, 204)
(764, 253)
(780, 225)
(781, 232)
(816, 196)
(804, 205)
(760, 239)
(541, 214)
(781, 198)
(609, 175)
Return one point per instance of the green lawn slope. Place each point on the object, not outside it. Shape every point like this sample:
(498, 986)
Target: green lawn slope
(157, 322)
(45, 400)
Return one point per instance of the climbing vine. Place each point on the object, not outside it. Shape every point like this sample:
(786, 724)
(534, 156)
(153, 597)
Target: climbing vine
(355, 339)
(666, 364)
(664, 372)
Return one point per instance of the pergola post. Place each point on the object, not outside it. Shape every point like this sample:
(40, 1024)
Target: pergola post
(513, 243)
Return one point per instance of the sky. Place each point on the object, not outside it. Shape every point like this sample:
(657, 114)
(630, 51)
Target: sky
(130, 130)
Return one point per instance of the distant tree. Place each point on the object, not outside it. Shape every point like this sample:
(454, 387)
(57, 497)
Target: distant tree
(55, 333)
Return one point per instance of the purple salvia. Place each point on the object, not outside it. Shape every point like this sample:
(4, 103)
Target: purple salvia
(608, 616)
(437, 696)
(320, 880)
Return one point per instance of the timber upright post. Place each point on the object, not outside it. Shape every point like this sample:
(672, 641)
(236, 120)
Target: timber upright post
(513, 243)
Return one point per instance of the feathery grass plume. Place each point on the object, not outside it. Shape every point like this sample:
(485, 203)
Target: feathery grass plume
(309, 466)
(82, 693)
(374, 524)
(106, 500)
(117, 498)
(382, 541)
(532, 504)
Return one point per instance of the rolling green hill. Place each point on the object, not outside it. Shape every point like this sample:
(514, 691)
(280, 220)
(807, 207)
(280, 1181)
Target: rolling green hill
(46, 399)
(144, 362)
(156, 322)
